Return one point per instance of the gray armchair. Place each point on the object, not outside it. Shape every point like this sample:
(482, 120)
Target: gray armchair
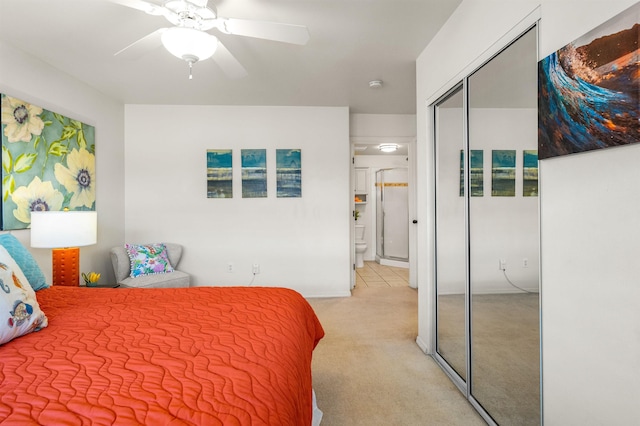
(122, 270)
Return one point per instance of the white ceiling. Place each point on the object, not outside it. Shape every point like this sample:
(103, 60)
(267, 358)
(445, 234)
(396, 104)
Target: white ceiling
(352, 42)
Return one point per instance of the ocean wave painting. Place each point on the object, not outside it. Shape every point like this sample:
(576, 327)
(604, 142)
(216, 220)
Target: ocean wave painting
(588, 91)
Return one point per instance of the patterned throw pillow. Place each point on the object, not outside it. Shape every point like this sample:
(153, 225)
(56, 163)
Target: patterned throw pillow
(23, 258)
(20, 313)
(148, 259)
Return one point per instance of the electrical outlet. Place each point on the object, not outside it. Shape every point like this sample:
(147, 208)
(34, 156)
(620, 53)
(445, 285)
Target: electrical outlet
(502, 265)
(229, 267)
(525, 263)
(256, 268)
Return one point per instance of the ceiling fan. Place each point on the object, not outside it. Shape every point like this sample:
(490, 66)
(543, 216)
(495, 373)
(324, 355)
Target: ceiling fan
(189, 40)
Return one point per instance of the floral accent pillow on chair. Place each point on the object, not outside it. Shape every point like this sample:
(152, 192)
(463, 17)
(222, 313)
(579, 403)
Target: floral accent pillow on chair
(148, 259)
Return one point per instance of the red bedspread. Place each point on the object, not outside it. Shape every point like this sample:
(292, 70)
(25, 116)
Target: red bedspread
(204, 356)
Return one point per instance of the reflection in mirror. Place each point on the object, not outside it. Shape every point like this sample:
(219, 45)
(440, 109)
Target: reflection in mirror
(504, 237)
(450, 233)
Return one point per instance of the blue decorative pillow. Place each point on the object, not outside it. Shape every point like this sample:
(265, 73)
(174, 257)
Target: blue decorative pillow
(148, 259)
(25, 261)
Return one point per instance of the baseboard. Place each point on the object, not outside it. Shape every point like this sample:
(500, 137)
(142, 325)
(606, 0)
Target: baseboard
(326, 295)
(396, 263)
(422, 345)
(306, 295)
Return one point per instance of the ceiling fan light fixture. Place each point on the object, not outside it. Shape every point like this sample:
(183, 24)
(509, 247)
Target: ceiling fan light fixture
(189, 44)
(388, 147)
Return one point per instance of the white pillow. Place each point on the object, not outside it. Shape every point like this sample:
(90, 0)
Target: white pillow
(19, 310)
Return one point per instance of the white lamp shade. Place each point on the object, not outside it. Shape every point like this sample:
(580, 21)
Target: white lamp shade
(189, 43)
(55, 229)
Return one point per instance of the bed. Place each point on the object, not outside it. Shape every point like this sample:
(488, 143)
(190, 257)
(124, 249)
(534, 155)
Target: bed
(203, 356)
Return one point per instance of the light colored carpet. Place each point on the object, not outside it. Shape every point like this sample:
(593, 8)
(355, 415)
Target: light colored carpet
(368, 370)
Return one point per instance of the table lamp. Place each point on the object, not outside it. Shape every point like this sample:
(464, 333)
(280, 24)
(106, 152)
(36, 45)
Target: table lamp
(64, 232)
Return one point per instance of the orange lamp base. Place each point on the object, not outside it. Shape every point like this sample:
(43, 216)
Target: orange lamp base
(66, 266)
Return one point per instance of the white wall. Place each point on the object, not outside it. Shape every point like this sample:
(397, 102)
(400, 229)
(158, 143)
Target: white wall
(590, 206)
(34, 81)
(382, 125)
(590, 278)
(300, 243)
(591, 287)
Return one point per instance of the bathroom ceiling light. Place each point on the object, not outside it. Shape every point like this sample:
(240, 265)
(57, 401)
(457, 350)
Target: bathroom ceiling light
(375, 84)
(388, 147)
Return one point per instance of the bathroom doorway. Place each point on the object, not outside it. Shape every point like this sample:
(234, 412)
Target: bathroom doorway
(367, 160)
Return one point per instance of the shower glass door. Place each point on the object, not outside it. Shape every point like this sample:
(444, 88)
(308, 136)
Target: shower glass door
(392, 214)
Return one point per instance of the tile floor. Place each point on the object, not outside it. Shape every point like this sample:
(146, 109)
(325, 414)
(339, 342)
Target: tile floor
(376, 275)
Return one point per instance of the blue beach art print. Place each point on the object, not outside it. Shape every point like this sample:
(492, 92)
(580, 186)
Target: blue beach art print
(529, 173)
(254, 173)
(588, 91)
(476, 173)
(219, 173)
(288, 173)
(503, 173)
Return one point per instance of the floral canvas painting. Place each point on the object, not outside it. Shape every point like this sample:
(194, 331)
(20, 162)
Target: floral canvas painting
(254, 173)
(48, 163)
(589, 91)
(219, 173)
(288, 173)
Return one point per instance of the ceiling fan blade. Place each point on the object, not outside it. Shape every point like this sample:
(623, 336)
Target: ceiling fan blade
(229, 64)
(199, 3)
(142, 46)
(144, 6)
(286, 33)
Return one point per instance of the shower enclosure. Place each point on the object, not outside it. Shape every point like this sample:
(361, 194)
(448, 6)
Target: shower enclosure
(392, 214)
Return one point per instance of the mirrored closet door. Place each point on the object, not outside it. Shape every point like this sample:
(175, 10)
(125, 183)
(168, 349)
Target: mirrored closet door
(487, 236)
(451, 245)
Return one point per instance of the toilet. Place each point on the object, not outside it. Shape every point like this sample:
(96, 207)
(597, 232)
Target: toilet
(361, 246)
